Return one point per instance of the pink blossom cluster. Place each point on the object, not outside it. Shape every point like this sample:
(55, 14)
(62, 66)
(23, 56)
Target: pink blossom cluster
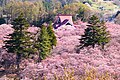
(65, 56)
(9, 59)
(7, 29)
(114, 29)
(4, 30)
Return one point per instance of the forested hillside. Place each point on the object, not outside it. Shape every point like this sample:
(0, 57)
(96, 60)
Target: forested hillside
(39, 11)
(59, 40)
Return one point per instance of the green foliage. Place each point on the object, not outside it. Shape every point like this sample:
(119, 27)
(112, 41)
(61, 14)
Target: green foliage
(43, 44)
(19, 41)
(14, 8)
(94, 20)
(14, 44)
(103, 35)
(95, 34)
(83, 12)
(48, 6)
(52, 36)
(42, 8)
(88, 1)
(77, 10)
(45, 41)
(20, 23)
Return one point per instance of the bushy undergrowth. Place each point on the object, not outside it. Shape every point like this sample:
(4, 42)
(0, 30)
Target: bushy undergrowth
(89, 74)
(107, 60)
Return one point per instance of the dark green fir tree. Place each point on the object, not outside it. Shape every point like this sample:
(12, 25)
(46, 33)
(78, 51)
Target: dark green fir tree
(52, 36)
(95, 34)
(43, 44)
(19, 41)
(103, 35)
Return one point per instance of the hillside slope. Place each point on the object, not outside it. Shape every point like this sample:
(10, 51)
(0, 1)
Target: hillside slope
(64, 55)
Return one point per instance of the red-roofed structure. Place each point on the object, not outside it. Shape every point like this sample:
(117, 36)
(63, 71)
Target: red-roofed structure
(63, 17)
(62, 20)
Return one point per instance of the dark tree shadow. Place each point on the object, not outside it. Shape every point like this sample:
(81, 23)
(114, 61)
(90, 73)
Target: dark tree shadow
(7, 63)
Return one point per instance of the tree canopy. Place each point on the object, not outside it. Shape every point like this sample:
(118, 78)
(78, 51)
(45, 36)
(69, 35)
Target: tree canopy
(95, 34)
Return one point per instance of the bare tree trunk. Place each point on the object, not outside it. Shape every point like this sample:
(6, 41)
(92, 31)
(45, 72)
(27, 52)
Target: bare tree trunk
(39, 58)
(18, 59)
(93, 45)
(103, 45)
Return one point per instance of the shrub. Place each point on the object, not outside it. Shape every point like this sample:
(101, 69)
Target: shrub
(91, 74)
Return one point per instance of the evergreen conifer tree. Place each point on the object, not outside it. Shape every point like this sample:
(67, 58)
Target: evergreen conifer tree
(52, 36)
(43, 44)
(19, 41)
(102, 35)
(95, 34)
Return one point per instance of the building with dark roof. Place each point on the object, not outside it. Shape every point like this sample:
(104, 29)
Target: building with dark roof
(61, 20)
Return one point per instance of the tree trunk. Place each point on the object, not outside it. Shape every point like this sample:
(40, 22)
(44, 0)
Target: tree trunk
(79, 48)
(93, 45)
(39, 58)
(103, 46)
(18, 58)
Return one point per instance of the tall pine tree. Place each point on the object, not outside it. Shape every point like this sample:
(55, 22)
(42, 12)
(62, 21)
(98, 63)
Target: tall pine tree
(43, 44)
(95, 34)
(52, 36)
(19, 41)
(102, 35)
